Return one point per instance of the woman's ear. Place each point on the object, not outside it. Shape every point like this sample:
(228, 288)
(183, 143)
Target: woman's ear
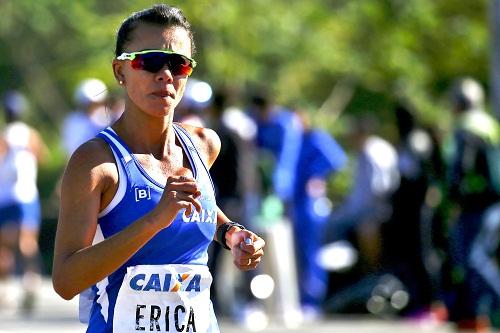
(118, 71)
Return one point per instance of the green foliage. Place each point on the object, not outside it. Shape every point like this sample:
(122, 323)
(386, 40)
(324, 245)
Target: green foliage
(410, 48)
(378, 50)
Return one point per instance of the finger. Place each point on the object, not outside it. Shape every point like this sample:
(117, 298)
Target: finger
(190, 207)
(242, 255)
(183, 200)
(246, 241)
(188, 210)
(249, 261)
(244, 261)
(176, 178)
(173, 179)
(186, 196)
(257, 255)
(254, 263)
(182, 181)
(186, 178)
(257, 244)
(191, 187)
(243, 258)
(250, 267)
(196, 203)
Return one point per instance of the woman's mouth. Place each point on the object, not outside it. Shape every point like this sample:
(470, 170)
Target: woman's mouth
(163, 94)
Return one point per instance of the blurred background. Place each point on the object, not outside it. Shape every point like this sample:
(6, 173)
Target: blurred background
(364, 136)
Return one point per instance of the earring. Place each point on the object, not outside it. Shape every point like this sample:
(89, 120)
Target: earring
(120, 82)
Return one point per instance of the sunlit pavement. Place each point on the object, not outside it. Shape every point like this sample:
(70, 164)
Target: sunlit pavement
(53, 314)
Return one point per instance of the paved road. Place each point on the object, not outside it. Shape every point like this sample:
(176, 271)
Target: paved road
(53, 314)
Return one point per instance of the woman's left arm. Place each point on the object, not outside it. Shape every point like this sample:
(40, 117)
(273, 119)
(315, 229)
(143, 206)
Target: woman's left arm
(246, 247)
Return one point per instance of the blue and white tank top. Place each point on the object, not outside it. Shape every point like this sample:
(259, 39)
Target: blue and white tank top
(18, 167)
(156, 287)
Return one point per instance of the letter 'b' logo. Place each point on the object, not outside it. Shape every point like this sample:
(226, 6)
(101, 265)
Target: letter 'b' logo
(142, 193)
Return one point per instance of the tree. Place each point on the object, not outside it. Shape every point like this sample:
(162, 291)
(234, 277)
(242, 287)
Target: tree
(382, 49)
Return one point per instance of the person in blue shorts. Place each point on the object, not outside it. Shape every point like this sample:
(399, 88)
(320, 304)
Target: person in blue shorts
(20, 212)
(320, 158)
(138, 209)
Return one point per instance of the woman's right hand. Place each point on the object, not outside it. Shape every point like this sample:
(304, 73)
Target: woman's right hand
(181, 192)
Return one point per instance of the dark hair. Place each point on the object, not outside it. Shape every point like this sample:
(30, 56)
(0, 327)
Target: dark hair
(405, 119)
(158, 14)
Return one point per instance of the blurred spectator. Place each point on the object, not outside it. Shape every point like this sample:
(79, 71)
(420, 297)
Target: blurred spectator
(20, 213)
(197, 98)
(115, 106)
(473, 164)
(368, 205)
(410, 238)
(89, 118)
(485, 258)
(279, 135)
(358, 280)
(320, 156)
(278, 142)
(353, 235)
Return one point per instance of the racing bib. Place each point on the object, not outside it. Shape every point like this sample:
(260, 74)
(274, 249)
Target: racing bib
(164, 298)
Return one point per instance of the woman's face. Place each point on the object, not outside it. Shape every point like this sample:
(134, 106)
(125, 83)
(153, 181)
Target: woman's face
(156, 94)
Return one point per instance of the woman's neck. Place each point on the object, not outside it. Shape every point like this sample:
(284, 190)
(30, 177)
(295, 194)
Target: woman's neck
(145, 134)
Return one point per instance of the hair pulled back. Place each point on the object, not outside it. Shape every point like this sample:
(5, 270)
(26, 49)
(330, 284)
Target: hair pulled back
(161, 14)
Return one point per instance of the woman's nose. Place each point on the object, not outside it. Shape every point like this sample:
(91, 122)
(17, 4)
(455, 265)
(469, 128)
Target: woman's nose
(165, 74)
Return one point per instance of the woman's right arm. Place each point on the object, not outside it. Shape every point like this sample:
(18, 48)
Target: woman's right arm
(89, 175)
(77, 263)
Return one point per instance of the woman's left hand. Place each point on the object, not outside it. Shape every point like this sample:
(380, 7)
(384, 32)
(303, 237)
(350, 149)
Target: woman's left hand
(247, 249)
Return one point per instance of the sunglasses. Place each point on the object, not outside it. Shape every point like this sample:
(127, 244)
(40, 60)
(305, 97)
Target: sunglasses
(154, 60)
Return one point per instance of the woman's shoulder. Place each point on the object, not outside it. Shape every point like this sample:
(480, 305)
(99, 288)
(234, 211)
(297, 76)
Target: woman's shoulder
(206, 140)
(92, 162)
(95, 150)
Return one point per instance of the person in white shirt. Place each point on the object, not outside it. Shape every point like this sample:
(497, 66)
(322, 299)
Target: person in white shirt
(90, 117)
(20, 215)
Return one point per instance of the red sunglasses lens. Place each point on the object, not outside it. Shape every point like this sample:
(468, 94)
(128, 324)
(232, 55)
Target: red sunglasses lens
(155, 61)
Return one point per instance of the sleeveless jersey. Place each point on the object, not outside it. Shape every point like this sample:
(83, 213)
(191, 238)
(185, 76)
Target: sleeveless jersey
(173, 260)
(18, 167)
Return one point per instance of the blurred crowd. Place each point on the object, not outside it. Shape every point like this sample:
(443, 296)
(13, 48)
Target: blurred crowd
(416, 236)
